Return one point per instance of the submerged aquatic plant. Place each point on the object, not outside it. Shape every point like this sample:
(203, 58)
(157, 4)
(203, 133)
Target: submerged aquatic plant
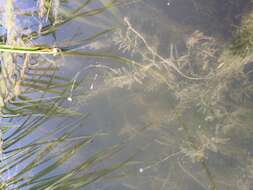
(201, 85)
(242, 42)
(207, 121)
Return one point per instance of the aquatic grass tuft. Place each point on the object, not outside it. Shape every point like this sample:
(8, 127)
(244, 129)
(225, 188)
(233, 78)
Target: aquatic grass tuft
(242, 42)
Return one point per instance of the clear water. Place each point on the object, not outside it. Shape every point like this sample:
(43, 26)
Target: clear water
(177, 139)
(139, 114)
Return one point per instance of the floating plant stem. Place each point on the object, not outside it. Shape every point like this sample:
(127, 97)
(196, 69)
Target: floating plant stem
(29, 50)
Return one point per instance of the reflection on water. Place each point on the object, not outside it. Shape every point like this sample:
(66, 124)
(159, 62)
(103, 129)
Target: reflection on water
(166, 86)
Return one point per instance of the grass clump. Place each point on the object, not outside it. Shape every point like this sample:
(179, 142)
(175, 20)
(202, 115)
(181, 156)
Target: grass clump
(242, 43)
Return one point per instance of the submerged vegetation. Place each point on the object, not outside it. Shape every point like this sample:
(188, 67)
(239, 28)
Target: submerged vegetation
(192, 89)
(197, 98)
(242, 42)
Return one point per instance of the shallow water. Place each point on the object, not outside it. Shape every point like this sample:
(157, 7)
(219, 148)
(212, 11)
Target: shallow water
(139, 116)
(174, 141)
